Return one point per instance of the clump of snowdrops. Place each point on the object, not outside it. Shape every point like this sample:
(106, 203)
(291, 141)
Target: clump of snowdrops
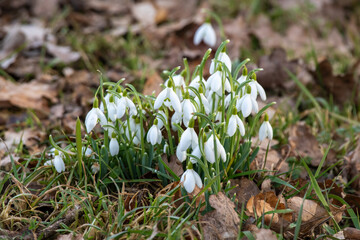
(207, 124)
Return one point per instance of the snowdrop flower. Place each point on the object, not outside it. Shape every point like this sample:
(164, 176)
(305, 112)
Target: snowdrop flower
(86, 151)
(57, 162)
(224, 58)
(181, 155)
(154, 134)
(196, 83)
(190, 178)
(204, 102)
(235, 123)
(247, 103)
(93, 115)
(209, 149)
(160, 119)
(123, 104)
(205, 33)
(112, 109)
(196, 153)
(179, 83)
(168, 93)
(133, 129)
(114, 145)
(214, 83)
(176, 118)
(188, 109)
(256, 88)
(188, 138)
(265, 129)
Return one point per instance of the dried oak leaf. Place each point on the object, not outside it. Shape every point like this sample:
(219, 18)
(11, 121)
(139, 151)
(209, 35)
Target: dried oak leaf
(223, 222)
(34, 95)
(264, 234)
(304, 143)
(313, 215)
(343, 88)
(351, 233)
(265, 202)
(244, 190)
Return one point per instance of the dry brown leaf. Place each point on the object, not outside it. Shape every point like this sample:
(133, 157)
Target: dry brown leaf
(311, 210)
(351, 233)
(45, 8)
(304, 143)
(6, 162)
(145, 13)
(244, 190)
(173, 163)
(223, 222)
(264, 234)
(343, 88)
(69, 236)
(32, 95)
(265, 202)
(62, 53)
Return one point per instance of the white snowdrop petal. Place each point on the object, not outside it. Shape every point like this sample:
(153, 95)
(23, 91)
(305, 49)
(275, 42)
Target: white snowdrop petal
(160, 98)
(112, 111)
(114, 147)
(175, 101)
(91, 120)
(185, 140)
(59, 164)
(209, 152)
(181, 155)
(197, 178)
(246, 105)
(216, 81)
(262, 131)
(261, 91)
(189, 183)
(194, 138)
(212, 67)
(240, 125)
(269, 130)
(254, 104)
(227, 85)
(120, 111)
(210, 36)
(199, 34)
(232, 126)
(101, 116)
(226, 60)
(197, 153)
(253, 92)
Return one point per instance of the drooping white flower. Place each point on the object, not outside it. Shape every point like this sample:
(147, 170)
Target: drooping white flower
(265, 129)
(247, 103)
(209, 149)
(93, 115)
(205, 33)
(179, 82)
(176, 118)
(154, 134)
(86, 151)
(224, 58)
(168, 93)
(114, 145)
(188, 110)
(256, 88)
(235, 123)
(196, 83)
(57, 162)
(181, 155)
(188, 138)
(189, 179)
(160, 119)
(112, 109)
(196, 153)
(123, 104)
(205, 103)
(214, 83)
